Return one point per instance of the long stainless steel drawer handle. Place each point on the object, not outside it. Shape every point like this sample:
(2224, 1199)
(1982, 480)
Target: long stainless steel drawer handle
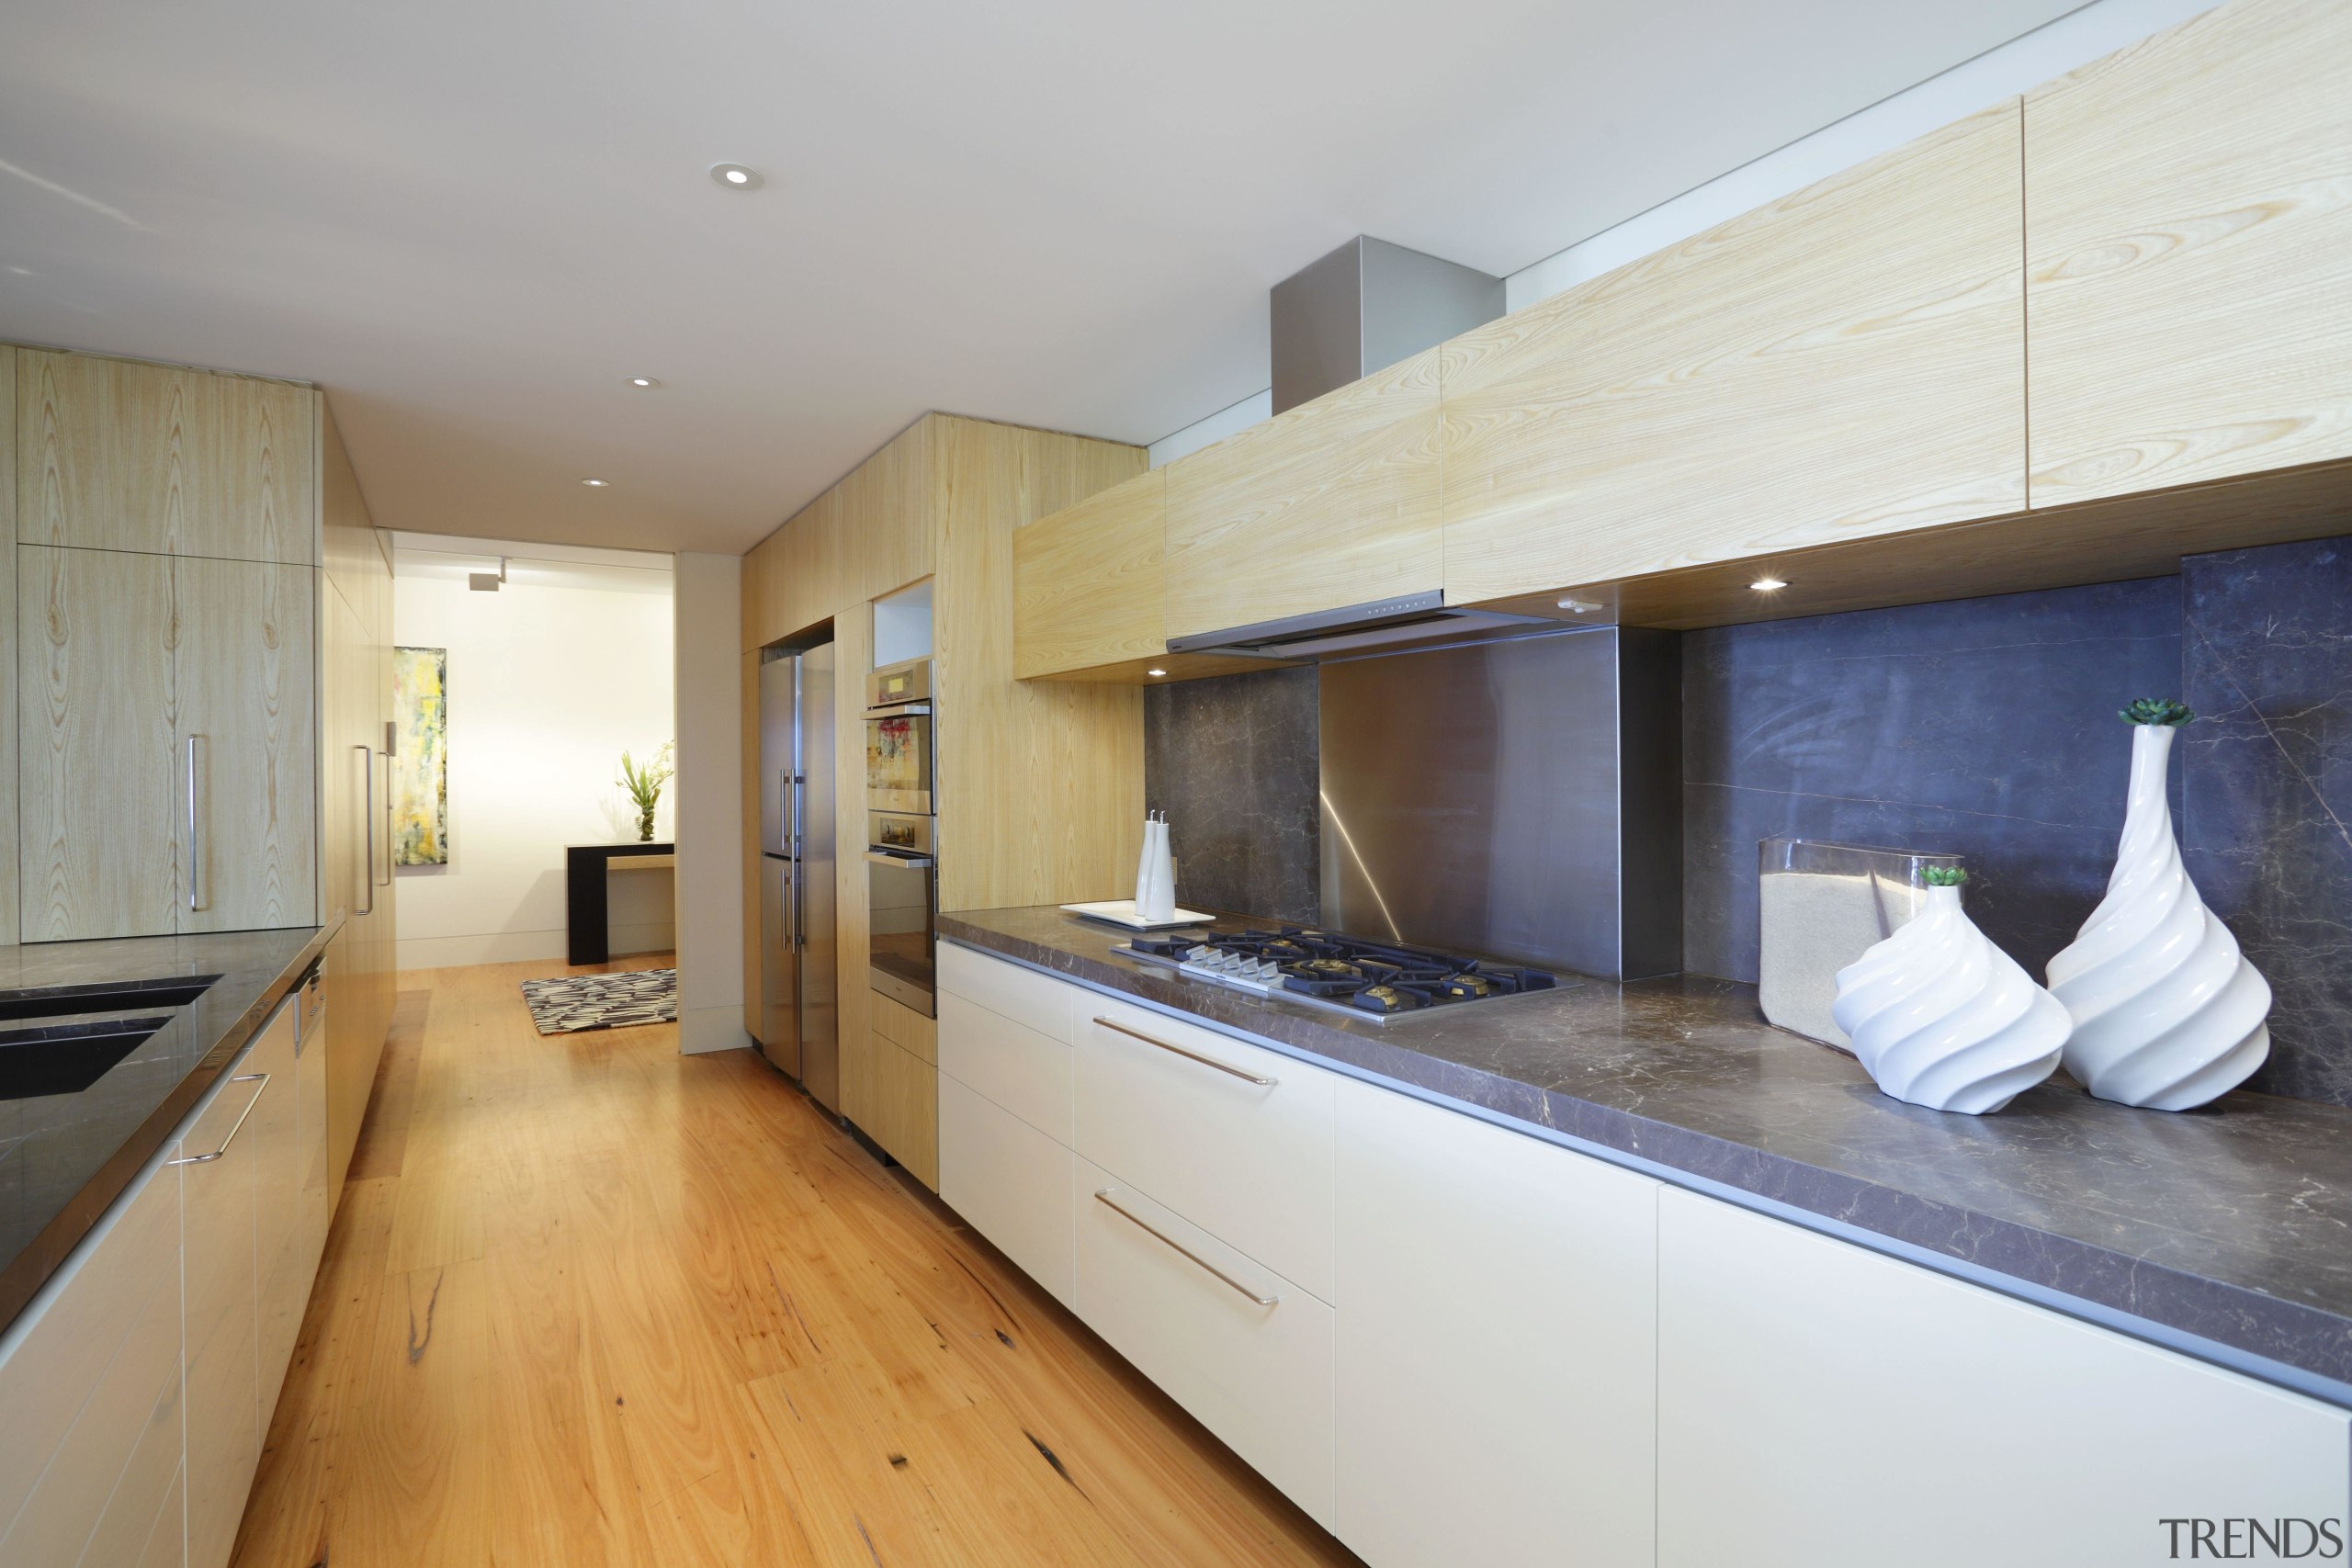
(261, 1078)
(1190, 1055)
(1104, 1199)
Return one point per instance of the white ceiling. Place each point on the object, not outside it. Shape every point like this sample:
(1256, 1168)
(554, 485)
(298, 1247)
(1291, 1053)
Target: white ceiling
(471, 221)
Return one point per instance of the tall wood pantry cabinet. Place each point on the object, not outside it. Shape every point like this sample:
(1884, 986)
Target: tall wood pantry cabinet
(166, 650)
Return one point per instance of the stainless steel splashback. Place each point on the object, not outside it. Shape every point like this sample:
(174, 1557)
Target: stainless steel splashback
(1521, 799)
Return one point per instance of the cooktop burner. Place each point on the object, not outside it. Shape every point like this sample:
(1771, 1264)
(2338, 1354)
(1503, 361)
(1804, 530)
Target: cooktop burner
(1339, 974)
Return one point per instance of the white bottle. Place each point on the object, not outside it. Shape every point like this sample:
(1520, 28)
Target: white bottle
(1163, 875)
(1145, 860)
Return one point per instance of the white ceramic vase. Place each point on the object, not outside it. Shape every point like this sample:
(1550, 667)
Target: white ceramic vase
(2167, 1012)
(1943, 1018)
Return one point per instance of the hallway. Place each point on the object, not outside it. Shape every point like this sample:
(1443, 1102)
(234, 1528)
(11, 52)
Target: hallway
(588, 1302)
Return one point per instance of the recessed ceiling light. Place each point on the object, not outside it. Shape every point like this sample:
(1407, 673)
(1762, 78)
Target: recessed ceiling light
(736, 176)
(1768, 584)
(596, 484)
(1155, 672)
(647, 382)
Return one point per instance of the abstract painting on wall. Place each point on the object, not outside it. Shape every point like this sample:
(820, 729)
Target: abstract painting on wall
(421, 766)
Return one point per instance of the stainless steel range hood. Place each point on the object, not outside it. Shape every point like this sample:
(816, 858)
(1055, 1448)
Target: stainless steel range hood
(1389, 626)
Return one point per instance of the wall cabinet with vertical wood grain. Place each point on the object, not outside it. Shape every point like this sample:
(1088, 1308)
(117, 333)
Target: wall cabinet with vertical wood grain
(125, 455)
(167, 760)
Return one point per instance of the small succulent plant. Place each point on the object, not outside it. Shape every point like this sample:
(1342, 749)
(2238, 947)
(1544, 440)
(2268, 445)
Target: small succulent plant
(2155, 710)
(1945, 875)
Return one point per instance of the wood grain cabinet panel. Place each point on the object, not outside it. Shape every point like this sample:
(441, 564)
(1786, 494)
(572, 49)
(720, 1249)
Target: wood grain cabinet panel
(244, 677)
(10, 906)
(1090, 584)
(886, 519)
(121, 455)
(1333, 502)
(2188, 211)
(1845, 362)
(100, 824)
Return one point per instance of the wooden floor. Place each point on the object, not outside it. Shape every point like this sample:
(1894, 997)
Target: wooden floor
(588, 1302)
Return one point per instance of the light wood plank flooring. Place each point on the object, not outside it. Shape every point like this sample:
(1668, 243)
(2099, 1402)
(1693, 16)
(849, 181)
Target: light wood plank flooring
(588, 1302)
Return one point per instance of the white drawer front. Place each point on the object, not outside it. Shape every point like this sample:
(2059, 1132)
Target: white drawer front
(1023, 1071)
(1021, 994)
(1011, 1181)
(111, 1309)
(1259, 1376)
(1248, 1161)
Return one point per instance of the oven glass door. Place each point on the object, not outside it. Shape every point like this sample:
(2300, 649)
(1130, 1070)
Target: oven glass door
(901, 891)
(898, 762)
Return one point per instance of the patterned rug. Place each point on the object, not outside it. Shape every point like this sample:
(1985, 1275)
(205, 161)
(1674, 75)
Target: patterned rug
(575, 1002)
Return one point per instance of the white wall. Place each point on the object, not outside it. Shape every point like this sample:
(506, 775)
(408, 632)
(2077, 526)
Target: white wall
(710, 813)
(2073, 40)
(546, 685)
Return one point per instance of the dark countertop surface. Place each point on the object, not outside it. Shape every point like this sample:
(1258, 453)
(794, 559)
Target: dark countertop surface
(64, 1158)
(2229, 1227)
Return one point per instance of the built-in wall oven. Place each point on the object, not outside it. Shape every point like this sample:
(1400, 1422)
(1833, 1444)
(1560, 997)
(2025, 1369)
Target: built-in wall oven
(901, 844)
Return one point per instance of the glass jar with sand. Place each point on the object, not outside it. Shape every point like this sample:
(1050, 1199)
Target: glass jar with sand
(1823, 906)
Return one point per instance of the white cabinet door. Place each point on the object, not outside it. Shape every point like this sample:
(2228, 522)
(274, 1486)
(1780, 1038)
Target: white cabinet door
(89, 1387)
(1236, 1139)
(1247, 1351)
(316, 1200)
(223, 1294)
(1824, 1406)
(1026, 1071)
(274, 1131)
(1010, 1181)
(1497, 1350)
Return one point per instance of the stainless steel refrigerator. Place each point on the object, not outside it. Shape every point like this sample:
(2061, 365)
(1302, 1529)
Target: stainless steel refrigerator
(798, 1026)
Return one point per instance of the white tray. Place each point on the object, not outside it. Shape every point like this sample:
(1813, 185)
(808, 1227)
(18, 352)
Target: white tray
(1121, 912)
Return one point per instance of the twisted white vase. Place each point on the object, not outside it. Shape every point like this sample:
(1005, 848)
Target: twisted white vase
(2167, 1012)
(1943, 1018)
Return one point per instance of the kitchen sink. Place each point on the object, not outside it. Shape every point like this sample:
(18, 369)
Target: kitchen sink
(66, 1058)
(104, 996)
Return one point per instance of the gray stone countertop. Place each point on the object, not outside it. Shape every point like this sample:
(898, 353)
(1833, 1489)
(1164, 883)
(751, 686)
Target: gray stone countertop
(2227, 1231)
(64, 1158)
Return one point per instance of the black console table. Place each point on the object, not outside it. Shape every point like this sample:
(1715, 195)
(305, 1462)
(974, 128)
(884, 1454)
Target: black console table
(589, 935)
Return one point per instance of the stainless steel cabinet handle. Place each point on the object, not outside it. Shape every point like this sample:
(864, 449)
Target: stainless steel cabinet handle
(261, 1078)
(195, 851)
(367, 819)
(1190, 1055)
(388, 821)
(1104, 1199)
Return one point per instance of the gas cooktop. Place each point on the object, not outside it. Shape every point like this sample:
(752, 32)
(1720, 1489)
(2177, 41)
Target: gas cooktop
(1339, 974)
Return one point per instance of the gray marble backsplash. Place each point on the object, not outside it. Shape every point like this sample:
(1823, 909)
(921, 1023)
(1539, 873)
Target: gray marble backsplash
(2267, 825)
(1234, 762)
(1985, 727)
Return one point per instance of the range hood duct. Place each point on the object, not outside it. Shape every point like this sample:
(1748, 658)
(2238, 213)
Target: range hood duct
(1384, 625)
(1363, 308)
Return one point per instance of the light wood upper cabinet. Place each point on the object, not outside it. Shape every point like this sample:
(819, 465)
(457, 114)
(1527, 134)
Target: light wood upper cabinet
(1333, 502)
(2188, 211)
(1843, 362)
(1090, 582)
(887, 517)
(100, 823)
(119, 455)
(244, 671)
